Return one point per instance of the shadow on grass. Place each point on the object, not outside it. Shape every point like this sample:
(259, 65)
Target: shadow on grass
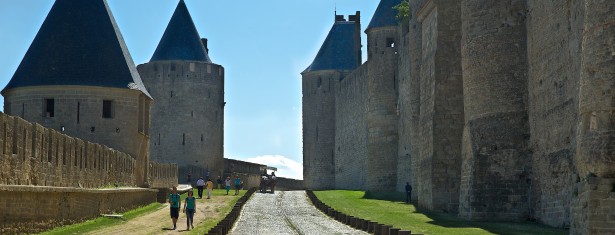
(497, 227)
(386, 196)
(449, 220)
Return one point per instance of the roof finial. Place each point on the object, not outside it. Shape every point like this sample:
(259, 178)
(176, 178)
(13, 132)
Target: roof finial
(335, 12)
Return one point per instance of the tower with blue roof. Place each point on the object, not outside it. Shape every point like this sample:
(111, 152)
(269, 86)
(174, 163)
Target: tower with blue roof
(339, 55)
(337, 145)
(189, 92)
(77, 77)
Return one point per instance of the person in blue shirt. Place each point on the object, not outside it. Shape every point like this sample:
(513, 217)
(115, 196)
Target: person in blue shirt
(237, 184)
(175, 203)
(189, 209)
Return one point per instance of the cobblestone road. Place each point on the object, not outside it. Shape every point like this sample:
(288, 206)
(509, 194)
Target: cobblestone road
(286, 212)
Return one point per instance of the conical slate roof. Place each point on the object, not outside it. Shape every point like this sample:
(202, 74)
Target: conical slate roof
(385, 15)
(339, 51)
(78, 44)
(181, 40)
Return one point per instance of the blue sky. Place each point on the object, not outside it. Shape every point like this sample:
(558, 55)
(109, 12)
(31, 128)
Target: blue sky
(263, 45)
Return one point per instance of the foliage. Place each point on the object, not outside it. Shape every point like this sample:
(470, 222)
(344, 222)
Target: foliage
(406, 216)
(403, 11)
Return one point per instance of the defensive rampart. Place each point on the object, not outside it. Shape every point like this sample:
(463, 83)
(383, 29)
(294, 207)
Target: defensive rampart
(33, 155)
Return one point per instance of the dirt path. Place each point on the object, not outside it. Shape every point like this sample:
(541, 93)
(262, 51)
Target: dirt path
(158, 222)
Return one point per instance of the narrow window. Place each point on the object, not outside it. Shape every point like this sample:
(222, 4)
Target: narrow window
(390, 42)
(78, 111)
(158, 138)
(64, 152)
(201, 137)
(49, 110)
(184, 139)
(107, 109)
(319, 82)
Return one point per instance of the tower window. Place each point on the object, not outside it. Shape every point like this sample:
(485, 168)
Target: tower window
(390, 42)
(49, 109)
(107, 109)
(319, 82)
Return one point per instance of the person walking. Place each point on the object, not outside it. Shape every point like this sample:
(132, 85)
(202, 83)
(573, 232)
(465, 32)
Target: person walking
(175, 202)
(210, 186)
(189, 209)
(200, 184)
(408, 192)
(227, 184)
(237, 184)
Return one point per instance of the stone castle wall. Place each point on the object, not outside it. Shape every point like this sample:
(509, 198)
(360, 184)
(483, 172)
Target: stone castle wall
(34, 155)
(189, 115)
(351, 131)
(554, 43)
(162, 175)
(504, 112)
(34, 209)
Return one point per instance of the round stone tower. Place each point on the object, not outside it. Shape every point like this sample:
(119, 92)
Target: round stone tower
(382, 50)
(339, 55)
(187, 127)
(496, 132)
(78, 78)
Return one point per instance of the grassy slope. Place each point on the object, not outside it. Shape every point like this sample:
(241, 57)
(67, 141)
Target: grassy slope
(406, 217)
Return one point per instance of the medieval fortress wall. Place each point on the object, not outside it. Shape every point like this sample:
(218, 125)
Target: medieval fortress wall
(503, 112)
(34, 155)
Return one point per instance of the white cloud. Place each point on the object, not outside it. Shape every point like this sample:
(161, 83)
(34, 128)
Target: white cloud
(287, 167)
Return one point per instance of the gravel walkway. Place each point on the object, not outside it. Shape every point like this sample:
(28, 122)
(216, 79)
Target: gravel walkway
(286, 212)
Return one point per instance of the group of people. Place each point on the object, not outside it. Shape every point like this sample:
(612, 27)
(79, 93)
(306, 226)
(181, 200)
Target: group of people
(190, 202)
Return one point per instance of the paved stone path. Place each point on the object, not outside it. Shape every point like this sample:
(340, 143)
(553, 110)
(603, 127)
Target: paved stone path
(287, 212)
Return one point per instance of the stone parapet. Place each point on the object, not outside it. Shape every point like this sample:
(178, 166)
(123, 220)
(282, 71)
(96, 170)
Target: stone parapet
(34, 209)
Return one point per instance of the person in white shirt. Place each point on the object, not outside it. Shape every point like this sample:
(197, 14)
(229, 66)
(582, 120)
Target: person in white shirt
(199, 185)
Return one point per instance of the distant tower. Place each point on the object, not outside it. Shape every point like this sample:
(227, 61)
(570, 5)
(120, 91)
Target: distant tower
(188, 118)
(339, 55)
(382, 46)
(78, 78)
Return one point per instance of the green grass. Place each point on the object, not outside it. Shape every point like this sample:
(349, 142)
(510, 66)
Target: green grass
(210, 222)
(405, 216)
(100, 222)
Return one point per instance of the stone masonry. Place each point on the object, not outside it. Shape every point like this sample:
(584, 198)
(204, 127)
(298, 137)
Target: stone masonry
(503, 111)
(31, 154)
(180, 127)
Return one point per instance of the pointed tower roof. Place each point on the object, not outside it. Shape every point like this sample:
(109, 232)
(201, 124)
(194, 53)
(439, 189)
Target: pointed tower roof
(181, 40)
(385, 15)
(339, 51)
(78, 44)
